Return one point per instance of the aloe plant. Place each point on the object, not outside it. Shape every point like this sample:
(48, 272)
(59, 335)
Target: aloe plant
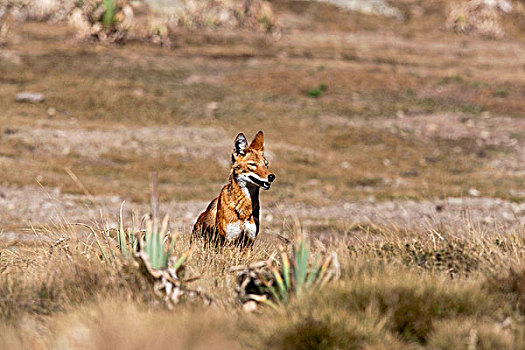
(158, 247)
(153, 241)
(291, 275)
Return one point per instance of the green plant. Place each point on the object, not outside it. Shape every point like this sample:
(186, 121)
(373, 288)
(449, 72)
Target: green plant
(293, 275)
(109, 13)
(158, 245)
(317, 91)
(501, 92)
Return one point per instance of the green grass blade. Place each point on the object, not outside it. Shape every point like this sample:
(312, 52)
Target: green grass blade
(181, 260)
(274, 293)
(312, 276)
(280, 283)
(302, 264)
(109, 14)
(271, 304)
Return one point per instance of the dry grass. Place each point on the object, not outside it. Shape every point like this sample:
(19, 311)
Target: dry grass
(398, 289)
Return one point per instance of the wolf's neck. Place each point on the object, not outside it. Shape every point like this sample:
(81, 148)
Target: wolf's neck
(250, 193)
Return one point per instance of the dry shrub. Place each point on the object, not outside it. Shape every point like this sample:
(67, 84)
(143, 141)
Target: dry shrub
(478, 17)
(440, 250)
(51, 281)
(112, 323)
(510, 287)
(321, 321)
(136, 20)
(227, 13)
(410, 303)
(310, 333)
(471, 334)
(388, 309)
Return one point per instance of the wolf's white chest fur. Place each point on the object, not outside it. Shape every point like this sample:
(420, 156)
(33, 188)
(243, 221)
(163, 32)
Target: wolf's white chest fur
(234, 229)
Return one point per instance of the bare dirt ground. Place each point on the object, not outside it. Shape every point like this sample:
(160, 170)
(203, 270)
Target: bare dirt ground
(417, 125)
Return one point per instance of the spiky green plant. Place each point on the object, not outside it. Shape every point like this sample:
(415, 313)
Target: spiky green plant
(293, 276)
(158, 246)
(155, 241)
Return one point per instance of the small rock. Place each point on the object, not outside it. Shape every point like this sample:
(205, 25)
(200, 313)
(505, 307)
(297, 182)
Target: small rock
(345, 165)
(30, 97)
(51, 112)
(387, 162)
(432, 127)
(454, 201)
(249, 306)
(211, 108)
(139, 92)
(485, 115)
(473, 192)
(488, 220)
(505, 6)
(507, 216)
(313, 182)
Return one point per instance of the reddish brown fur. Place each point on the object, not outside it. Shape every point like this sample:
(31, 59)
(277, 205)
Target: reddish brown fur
(233, 205)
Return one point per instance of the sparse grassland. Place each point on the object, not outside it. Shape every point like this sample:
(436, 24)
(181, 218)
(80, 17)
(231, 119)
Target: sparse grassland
(396, 144)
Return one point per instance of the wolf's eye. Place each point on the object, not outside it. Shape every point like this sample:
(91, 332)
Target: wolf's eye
(252, 164)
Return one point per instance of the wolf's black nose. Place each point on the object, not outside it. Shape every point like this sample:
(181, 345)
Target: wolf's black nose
(271, 177)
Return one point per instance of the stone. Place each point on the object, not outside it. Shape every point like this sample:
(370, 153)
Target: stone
(30, 97)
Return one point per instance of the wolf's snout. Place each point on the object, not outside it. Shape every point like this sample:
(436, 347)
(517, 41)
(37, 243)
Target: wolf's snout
(271, 177)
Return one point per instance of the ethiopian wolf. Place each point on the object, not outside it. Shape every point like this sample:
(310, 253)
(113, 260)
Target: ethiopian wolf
(234, 215)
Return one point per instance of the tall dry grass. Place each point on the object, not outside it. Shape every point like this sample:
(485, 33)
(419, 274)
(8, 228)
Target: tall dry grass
(399, 289)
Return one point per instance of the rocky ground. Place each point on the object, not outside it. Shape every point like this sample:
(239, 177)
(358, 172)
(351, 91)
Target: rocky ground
(44, 206)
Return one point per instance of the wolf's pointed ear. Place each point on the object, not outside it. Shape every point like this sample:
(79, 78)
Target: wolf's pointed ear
(258, 142)
(239, 146)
